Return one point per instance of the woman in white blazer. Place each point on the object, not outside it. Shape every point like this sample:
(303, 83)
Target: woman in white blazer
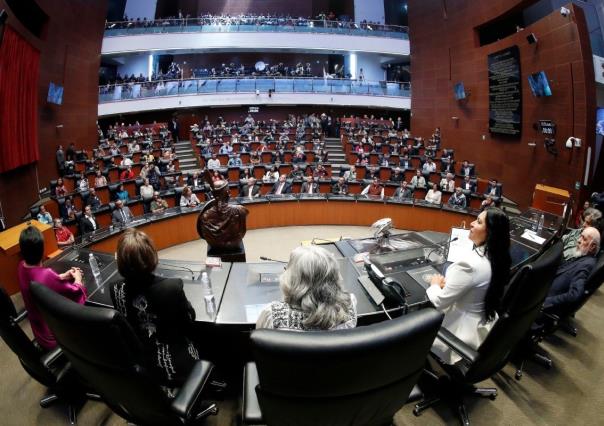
(471, 291)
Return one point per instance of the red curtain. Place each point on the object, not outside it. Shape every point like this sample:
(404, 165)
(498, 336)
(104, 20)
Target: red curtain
(19, 67)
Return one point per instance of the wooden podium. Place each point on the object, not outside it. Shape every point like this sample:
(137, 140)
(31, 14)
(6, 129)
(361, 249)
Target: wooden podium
(10, 255)
(550, 199)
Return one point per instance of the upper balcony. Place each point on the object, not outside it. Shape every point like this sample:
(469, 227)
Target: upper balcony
(199, 35)
(173, 94)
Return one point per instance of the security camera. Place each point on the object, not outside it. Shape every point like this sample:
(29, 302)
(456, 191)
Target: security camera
(564, 12)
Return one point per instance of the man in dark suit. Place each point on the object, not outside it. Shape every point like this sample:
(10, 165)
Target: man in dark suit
(309, 186)
(466, 169)
(174, 127)
(282, 186)
(194, 181)
(340, 187)
(468, 185)
(88, 222)
(569, 281)
(122, 214)
(250, 189)
(493, 189)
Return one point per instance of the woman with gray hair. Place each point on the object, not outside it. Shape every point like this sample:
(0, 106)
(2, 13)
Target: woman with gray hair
(313, 298)
(590, 217)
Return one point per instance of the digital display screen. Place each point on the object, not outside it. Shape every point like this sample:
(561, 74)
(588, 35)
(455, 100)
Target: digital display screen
(460, 91)
(55, 94)
(539, 84)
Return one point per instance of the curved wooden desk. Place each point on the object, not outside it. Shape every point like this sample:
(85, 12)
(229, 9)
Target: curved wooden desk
(180, 229)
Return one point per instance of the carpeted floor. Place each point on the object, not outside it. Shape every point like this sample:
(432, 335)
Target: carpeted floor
(570, 393)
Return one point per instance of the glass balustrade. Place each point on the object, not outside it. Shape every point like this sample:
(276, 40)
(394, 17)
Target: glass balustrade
(150, 89)
(227, 25)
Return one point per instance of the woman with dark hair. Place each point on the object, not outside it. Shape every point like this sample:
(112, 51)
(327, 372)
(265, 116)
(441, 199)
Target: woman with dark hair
(156, 308)
(471, 291)
(69, 284)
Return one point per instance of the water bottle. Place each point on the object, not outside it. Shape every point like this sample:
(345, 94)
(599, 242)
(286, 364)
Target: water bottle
(94, 268)
(208, 293)
(541, 220)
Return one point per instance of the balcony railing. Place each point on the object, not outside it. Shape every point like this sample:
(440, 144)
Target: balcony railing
(199, 86)
(224, 25)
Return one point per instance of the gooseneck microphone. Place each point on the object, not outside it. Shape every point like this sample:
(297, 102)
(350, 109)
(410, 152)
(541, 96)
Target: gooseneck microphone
(442, 247)
(268, 259)
(182, 268)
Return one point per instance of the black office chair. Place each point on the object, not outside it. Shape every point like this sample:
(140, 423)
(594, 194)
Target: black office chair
(521, 305)
(361, 376)
(102, 347)
(46, 367)
(557, 318)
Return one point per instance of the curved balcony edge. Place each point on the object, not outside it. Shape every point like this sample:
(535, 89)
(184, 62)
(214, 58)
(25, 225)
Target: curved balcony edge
(208, 42)
(238, 99)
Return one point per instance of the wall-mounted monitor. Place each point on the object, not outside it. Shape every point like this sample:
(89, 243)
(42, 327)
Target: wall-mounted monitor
(600, 121)
(459, 91)
(55, 94)
(539, 84)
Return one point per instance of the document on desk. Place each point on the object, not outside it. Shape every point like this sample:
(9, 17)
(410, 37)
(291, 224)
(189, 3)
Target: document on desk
(532, 236)
(252, 312)
(459, 249)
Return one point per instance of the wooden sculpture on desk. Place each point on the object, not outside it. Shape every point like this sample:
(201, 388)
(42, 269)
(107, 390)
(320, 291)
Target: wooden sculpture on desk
(221, 224)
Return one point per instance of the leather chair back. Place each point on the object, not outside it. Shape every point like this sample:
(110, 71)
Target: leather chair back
(521, 306)
(360, 376)
(103, 349)
(14, 337)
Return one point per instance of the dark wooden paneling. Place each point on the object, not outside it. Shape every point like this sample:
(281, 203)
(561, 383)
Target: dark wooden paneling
(445, 50)
(70, 56)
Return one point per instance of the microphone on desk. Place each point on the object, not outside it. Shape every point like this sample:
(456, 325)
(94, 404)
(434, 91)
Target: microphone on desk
(442, 246)
(183, 268)
(268, 259)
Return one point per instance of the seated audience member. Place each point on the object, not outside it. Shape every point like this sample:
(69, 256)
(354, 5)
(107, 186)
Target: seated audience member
(493, 189)
(458, 199)
(466, 169)
(403, 191)
(121, 215)
(69, 209)
(216, 176)
(88, 222)
(122, 194)
(60, 189)
(282, 186)
(447, 183)
(156, 308)
(127, 174)
(99, 179)
(188, 198)
(43, 216)
(374, 189)
(313, 295)
(598, 200)
(194, 181)
(255, 158)
(296, 173)
(350, 174)
(470, 293)
(320, 172)
(93, 200)
(396, 175)
(146, 191)
(340, 187)
(433, 195)
(299, 156)
(225, 148)
(62, 234)
(127, 161)
(405, 163)
(250, 189)
(569, 281)
(372, 172)
(158, 205)
(309, 186)
(214, 162)
(83, 183)
(486, 203)
(591, 218)
(418, 181)
(271, 175)
(234, 161)
(468, 185)
(429, 167)
(68, 284)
